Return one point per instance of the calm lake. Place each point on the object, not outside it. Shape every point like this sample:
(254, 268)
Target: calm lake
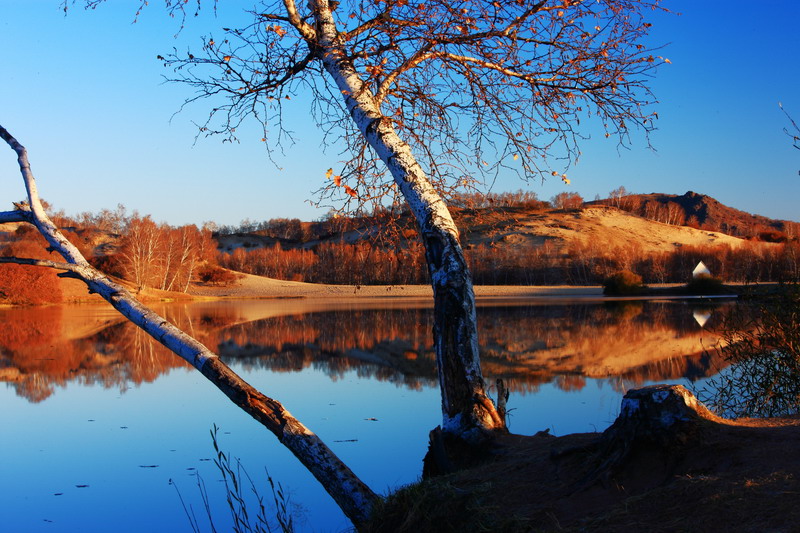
(97, 419)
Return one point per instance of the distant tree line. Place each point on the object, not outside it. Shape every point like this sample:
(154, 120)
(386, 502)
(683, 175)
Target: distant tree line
(336, 262)
(590, 264)
(579, 264)
(388, 218)
(386, 251)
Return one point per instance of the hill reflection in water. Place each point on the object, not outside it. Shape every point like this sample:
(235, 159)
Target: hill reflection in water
(42, 349)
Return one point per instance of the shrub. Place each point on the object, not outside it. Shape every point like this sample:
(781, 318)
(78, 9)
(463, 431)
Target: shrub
(623, 283)
(705, 284)
(772, 236)
(28, 285)
(214, 275)
(108, 264)
(567, 201)
(762, 346)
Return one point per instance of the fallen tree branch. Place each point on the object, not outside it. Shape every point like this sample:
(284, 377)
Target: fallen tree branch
(38, 262)
(15, 216)
(350, 493)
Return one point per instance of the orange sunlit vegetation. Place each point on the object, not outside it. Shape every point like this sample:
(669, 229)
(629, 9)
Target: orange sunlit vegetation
(582, 264)
(290, 249)
(135, 248)
(47, 347)
(24, 284)
(384, 247)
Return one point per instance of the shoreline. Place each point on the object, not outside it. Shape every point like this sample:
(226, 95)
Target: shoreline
(250, 287)
(255, 287)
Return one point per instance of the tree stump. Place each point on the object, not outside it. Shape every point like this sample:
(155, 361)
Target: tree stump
(657, 413)
(660, 418)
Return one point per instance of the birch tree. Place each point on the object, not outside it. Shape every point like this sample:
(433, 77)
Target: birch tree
(351, 494)
(429, 96)
(141, 251)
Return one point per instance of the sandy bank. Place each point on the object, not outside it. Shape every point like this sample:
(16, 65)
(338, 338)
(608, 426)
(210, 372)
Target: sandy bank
(259, 287)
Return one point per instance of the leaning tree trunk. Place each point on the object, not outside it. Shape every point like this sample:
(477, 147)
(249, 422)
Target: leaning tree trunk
(467, 410)
(353, 496)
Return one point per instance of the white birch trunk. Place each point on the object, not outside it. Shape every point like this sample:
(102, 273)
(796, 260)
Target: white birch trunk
(467, 410)
(167, 261)
(189, 273)
(350, 493)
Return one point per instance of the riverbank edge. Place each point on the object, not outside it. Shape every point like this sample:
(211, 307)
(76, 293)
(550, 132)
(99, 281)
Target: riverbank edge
(703, 473)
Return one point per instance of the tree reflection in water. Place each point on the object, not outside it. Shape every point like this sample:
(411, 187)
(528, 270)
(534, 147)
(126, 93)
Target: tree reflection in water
(526, 345)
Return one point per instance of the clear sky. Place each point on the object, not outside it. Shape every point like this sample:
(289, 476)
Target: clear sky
(85, 94)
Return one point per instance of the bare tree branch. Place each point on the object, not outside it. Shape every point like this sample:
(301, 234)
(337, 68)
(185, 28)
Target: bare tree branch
(795, 132)
(305, 29)
(42, 263)
(18, 215)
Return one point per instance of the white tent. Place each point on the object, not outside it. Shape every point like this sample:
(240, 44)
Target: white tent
(700, 269)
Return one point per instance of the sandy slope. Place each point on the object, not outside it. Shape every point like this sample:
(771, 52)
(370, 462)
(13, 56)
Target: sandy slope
(598, 226)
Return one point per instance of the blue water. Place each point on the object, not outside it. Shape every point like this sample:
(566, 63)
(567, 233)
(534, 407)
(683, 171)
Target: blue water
(98, 458)
(110, 442)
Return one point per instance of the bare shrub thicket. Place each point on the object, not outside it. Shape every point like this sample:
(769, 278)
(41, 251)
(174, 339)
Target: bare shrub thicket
(567, 200)
(163, 257)
(519, 198)
(357, 264)
(580, 264)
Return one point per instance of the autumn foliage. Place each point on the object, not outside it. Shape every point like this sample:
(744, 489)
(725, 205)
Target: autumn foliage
(27, 284)
(364, 263)
(567, 200)
(163, 257)
(356, 264)
(215, 275)
(382, 248)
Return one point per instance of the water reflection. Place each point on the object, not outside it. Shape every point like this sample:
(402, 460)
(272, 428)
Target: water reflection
(42, 349)
(322, 360)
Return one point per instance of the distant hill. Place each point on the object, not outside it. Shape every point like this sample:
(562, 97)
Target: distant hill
(652, 222)
(704, 212)
(594, 226)
(519, 240)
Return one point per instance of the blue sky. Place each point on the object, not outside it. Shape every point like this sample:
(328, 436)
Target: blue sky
(85, 94)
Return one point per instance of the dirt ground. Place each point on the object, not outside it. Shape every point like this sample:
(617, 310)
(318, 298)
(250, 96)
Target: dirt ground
(714, 475)
(258, 287)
